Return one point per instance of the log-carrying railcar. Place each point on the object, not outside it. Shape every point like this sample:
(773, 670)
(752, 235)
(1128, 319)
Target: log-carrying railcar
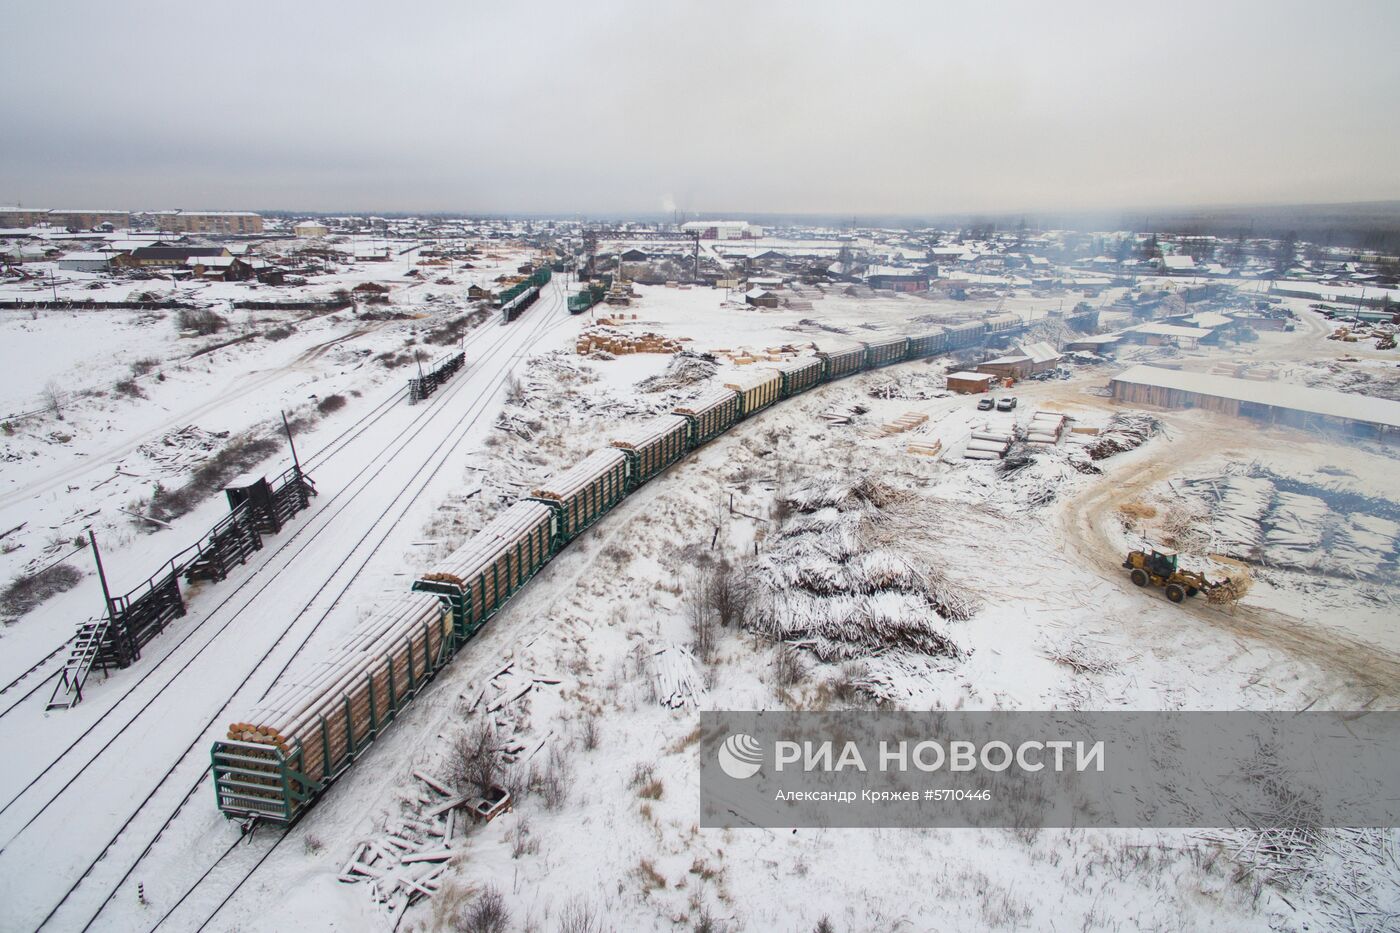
(653, 446)
(962, 336)
(314, 726)
(799, 375)
(476, 579)
(710, 415)
(928, 343)
(757, 389)
(838, 364)
(583, 493)
(885, 352)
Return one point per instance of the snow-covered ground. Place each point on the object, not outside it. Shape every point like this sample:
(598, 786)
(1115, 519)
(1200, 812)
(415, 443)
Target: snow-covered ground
(106, 810)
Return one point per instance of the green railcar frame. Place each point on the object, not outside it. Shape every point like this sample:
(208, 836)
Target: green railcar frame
(244, 772)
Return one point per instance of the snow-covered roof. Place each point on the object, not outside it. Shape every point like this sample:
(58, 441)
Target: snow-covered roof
(1171, 330)
(963, 374)
(1040, 351)
(1207, 319)
(1178, 262)
(892, 270)
(1327, 402)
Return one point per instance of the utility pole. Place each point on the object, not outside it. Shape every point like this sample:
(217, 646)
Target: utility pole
(102, 577)
(291, 443)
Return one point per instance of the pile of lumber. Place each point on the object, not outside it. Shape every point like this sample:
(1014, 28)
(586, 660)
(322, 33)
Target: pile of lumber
(905, 422)
(1045, 428)
(987, 445)
(925, 448)
(743, 356)
(619, 343)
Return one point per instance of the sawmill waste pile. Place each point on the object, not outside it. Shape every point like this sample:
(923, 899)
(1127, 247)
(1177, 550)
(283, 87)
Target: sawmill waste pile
(849, 576)
(1127, 430)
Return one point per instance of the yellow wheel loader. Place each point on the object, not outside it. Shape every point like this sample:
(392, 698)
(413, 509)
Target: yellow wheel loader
(1158, 567)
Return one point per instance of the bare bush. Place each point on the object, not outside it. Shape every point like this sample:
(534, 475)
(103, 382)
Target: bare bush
(201, 321)
(473, 761)
(789, 667)
(330, 403)
(699, 611)
(729, 592)
(55, 398)
(129, 388)
(29, 590)
(144, 365)
(552, 781)
(521, 840)
(847, 687)
(281, 332)
(589, 732)
(237, 456)
(487, 914)
(580, 916)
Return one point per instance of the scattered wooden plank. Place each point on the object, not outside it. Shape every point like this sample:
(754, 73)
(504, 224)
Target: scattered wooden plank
(451, 803)
(436, 855)
(433, 782)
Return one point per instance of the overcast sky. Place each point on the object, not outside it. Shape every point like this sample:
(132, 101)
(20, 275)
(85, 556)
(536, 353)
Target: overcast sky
(903, 108)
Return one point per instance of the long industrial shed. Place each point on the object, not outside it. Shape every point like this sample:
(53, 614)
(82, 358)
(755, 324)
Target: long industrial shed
(1275, 402)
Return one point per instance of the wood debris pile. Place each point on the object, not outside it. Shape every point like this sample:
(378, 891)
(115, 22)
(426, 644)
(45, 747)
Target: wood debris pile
(677, 677)
(850, 575)
(184, 448)
(1127, 430)
(684, 370)
(405, 863)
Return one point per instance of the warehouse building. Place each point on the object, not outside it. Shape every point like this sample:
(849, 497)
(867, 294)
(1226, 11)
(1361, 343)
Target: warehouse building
(1273, 402)
(1030, 359)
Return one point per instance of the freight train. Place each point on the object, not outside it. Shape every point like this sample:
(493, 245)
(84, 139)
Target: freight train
(313, 727)
(514, 300)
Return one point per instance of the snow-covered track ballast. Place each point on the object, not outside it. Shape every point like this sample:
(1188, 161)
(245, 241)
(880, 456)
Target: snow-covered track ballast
(274, 764)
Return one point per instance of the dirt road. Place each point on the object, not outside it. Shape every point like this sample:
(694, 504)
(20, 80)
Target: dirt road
(1363, 670)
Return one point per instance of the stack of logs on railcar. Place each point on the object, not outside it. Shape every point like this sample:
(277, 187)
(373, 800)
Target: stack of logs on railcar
(654, 445)
(585, 491)
(324, 717)
(482, 574)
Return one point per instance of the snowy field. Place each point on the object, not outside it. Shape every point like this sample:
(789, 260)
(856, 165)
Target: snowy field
(597, 670)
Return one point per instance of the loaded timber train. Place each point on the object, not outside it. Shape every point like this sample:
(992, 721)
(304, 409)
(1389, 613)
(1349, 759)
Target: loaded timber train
(312, 727)
(515, 299)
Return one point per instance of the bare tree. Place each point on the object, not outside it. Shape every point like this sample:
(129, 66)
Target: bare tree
(699, 610)
(55, 398)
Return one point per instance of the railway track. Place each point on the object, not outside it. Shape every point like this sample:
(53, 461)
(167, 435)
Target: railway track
(318, 458)
(342, 499)
(452, 435)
